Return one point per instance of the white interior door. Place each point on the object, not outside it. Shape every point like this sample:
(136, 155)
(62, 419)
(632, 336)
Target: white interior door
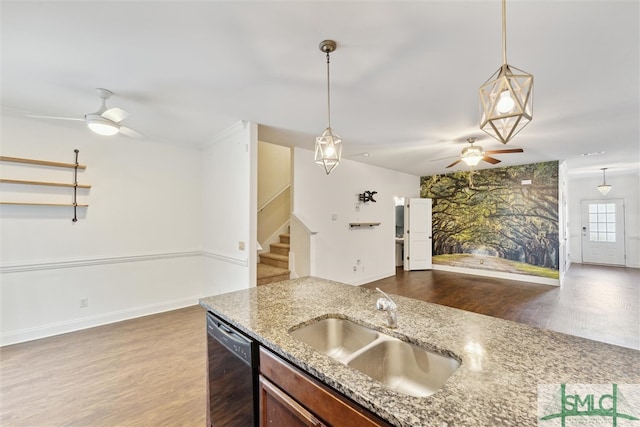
(417, 237)
(603, 232)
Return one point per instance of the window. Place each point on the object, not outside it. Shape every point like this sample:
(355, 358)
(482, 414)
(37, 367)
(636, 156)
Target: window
(602, 222)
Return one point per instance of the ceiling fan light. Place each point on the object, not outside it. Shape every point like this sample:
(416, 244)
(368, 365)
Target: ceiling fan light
(102, 126)
(472, 155)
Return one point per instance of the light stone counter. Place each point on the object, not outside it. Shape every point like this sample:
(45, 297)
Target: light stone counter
(502, 362)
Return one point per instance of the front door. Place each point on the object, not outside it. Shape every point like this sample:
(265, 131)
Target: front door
(603, 232)
(417, 242)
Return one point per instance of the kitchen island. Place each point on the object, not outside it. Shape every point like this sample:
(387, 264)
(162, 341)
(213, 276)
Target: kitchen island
(502, 363)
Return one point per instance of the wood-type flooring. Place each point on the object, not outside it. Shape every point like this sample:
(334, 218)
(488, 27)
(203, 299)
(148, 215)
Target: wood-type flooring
(595, 302)
(150, 371)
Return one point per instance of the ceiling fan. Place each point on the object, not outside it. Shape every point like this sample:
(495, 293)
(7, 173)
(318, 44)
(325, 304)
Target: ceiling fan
(472, 154)
(105, 121)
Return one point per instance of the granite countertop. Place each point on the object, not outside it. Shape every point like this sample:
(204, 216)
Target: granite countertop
(502, 362)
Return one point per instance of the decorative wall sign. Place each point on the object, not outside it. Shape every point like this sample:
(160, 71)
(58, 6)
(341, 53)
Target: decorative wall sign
(367, 196)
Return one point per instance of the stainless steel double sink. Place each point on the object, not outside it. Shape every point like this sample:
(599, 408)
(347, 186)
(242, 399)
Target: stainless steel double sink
(401, 366)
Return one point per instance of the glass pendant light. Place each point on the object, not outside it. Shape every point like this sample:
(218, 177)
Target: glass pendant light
(506, 99)
(328, 145)
(604, 188)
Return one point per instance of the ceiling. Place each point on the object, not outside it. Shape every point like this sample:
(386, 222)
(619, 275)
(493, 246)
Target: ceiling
(404, 79)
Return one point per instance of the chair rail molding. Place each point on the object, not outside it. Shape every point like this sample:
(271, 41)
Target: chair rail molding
(18, 267)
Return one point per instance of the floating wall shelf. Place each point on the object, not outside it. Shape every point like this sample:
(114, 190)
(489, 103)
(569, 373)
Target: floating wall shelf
(43, 204)
(75, 166)
(42, 162)
(49, 184)
(363, 224)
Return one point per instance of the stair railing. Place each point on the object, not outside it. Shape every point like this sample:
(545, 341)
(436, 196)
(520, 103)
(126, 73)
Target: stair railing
(275, 220)
(265, 204)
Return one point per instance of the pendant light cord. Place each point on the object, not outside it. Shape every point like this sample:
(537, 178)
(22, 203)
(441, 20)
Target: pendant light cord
(328, 93)
(504, 32)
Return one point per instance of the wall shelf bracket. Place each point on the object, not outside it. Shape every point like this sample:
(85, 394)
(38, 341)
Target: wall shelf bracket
(363, 224)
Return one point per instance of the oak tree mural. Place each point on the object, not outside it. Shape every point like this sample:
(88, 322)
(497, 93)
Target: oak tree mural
(492, 221)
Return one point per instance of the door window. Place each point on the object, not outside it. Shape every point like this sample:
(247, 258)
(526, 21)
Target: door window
(602, 222)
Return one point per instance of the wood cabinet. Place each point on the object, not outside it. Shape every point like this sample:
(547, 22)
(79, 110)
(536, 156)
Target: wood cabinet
(277, 408)
(289, 397)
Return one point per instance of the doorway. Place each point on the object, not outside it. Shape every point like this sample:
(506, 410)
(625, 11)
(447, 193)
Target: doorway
(418, 240)
(603, 232)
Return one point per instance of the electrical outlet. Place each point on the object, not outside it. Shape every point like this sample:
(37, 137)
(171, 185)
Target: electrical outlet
(241, 245)
(84, 302)
(355, 269)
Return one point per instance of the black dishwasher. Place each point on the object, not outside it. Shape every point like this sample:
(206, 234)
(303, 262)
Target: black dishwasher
(233, 375)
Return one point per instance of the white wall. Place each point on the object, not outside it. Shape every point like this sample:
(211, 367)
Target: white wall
(229, 164)
(563, 223)
(134, 251)
(317, 196)
(624, 186)
(274, 170)
(274, 192)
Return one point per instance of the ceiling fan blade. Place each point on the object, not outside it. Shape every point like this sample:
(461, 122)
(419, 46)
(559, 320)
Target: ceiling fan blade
(491, 160)
(53, 117)
(443, 158)
(130, 133)
(512, 150)
(455, 163)
(115, 114)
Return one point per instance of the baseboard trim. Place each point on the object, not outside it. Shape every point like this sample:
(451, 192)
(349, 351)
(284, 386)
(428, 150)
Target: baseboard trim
(73, 325)
(498, 275)
(373, 278)
(75, 263)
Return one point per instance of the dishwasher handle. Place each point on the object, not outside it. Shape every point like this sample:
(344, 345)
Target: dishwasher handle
(233, 340)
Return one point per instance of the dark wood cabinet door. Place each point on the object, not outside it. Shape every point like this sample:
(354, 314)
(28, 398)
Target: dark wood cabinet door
(325, 405)
(277, 409)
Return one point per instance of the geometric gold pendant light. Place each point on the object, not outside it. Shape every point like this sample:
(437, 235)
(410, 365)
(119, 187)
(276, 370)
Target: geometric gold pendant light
(328, 145)
(506, 99)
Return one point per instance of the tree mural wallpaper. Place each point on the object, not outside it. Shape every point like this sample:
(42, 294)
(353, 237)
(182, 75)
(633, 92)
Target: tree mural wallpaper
(503, 219)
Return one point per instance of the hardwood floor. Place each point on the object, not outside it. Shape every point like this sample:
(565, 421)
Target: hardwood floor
(595, 302)
(143, 372)
(150, 371)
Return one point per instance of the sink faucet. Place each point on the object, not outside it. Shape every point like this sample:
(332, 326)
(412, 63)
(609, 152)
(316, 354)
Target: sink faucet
(386, 304)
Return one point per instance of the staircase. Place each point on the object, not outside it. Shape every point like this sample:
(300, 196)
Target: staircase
(274, 265)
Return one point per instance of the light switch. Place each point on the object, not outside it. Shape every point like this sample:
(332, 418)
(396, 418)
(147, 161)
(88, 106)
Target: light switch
(334, 217)
(241, 245)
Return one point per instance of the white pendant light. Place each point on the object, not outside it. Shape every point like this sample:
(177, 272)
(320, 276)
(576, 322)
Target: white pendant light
(604, 188)
(328, 145)
(506, 99)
